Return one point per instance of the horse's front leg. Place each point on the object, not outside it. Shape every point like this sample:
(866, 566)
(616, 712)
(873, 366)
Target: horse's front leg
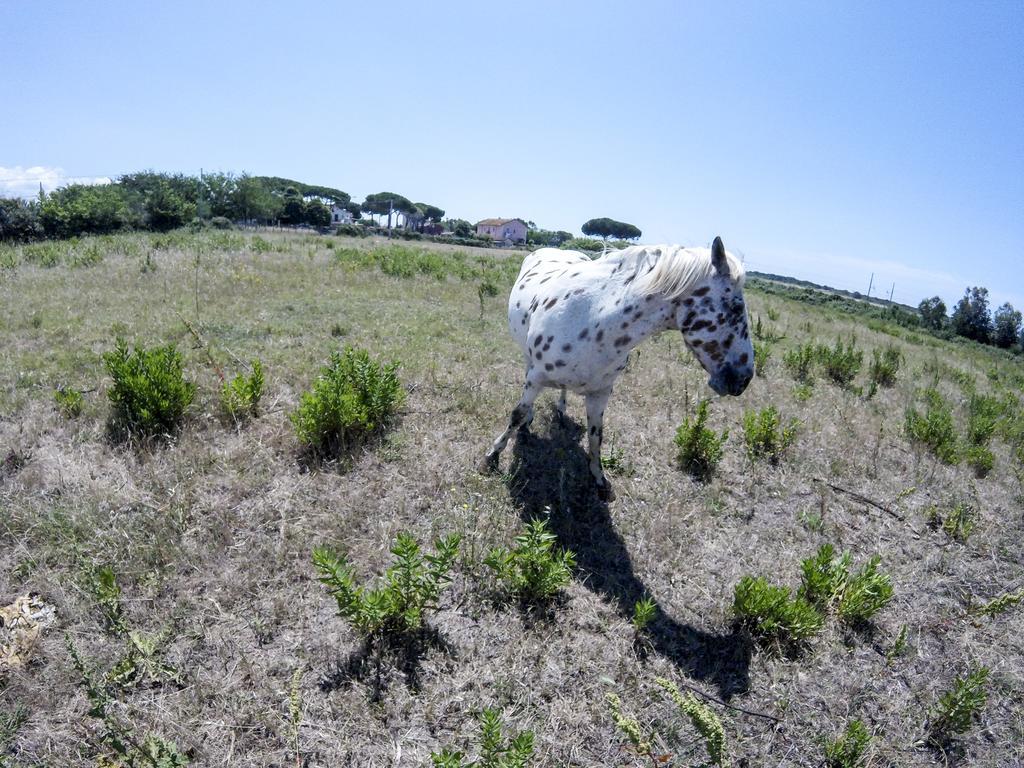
(520, 417)
(596, 401)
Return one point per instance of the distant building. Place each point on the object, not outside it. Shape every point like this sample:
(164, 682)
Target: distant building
(340, 215)
(510, 230)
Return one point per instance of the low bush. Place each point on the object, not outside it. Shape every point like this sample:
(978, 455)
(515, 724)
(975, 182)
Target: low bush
(765, 436)
(240, 397)
(495, 751)
(828, 585)
(958, 707)
(353, 399)
(221, 222)
(849, 748)
(934, 428)
(799, 361)
(699, 448)
(771, 615)
(842, 362)
(150, 394)
(409, 588)
(885, 365)
(533, 570)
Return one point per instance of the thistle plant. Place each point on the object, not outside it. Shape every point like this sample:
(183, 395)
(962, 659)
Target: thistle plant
(702, 718)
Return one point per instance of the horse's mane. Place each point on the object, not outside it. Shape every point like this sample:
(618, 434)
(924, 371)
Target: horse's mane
(671, 270)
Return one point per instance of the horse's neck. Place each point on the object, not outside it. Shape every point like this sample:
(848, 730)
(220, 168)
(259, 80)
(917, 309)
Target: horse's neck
(646, 314)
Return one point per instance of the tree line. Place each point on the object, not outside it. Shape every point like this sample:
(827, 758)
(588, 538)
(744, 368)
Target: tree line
(972, 319)
(163, 201)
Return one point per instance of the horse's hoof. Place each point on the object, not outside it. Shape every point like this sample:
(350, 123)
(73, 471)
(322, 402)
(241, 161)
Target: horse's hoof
(605, 492)
(488, 464)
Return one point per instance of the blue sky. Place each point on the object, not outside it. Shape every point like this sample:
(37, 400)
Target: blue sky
(822, 140)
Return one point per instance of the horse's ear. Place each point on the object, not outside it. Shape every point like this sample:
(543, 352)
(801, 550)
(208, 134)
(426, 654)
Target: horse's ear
(718, 260)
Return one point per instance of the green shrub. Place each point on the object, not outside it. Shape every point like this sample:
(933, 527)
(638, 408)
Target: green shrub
(884, 366)
(934, 428)
(762, 354)
(69, 401)
(409, 588)
(700, 448)
(771, 615)
(353, 399)
(958, 707)
(221, 222)
(150, 394)
(533, 570)
(958, 523)
(495, 752)
(764, 435)
(703, 719)
(865, 593)
(980, 458)
(849, 748)
(240, 397)
(799, 361)
(828, 585)
(842, 362)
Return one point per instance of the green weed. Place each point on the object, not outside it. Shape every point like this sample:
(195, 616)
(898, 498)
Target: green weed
(644, 611)
(409, 588)
(699, 448)
(1002, 603)
(842, 362)
(240, 397)
(533, 570)
(353, 399)
(69, 401)
(799, 361)
(885, 365)
(495, 751)
(703, 719)
(771, 615)
(150, 394)
(958, 523)
(765, 436)
(934, 428)
(958, 707)
(828, 585)
(849, 748)
(762, 354)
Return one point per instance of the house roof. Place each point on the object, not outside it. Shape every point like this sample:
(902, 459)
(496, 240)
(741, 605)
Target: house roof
(498, 222)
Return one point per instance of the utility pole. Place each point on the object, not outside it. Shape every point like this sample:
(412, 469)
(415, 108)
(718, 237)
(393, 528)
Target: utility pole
(891, 291)
(871, 284)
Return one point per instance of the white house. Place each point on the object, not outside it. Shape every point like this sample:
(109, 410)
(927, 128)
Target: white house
(340, 215)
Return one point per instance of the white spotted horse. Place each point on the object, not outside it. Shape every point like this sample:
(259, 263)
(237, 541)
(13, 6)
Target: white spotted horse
(577, 319)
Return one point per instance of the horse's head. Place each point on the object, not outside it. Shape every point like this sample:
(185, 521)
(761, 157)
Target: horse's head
(713, 320)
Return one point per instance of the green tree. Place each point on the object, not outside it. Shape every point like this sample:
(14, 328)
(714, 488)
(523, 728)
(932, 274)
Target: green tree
(933, 313)
(219, 192)
(79, 209)
(318, 214)
(252, 199)
(167, 209)
(384, 203)
(19, 220)
(971, 318)
(294, 207)
(605, 228)
(1007, 326)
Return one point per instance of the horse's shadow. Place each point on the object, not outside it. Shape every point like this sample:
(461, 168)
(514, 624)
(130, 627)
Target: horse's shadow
(551, 471)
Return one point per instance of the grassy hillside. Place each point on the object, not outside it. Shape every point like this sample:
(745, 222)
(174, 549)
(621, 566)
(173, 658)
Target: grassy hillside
(181, 573)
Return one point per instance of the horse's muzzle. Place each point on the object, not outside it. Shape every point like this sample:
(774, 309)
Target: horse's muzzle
(731, 381)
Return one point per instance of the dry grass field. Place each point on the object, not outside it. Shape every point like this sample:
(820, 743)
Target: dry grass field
(237, 654)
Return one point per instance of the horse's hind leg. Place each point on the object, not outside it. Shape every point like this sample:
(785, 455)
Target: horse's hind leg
(521, 416)
(596, 402)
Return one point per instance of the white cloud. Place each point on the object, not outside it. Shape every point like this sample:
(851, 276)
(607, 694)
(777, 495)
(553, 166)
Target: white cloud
(19, 181)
